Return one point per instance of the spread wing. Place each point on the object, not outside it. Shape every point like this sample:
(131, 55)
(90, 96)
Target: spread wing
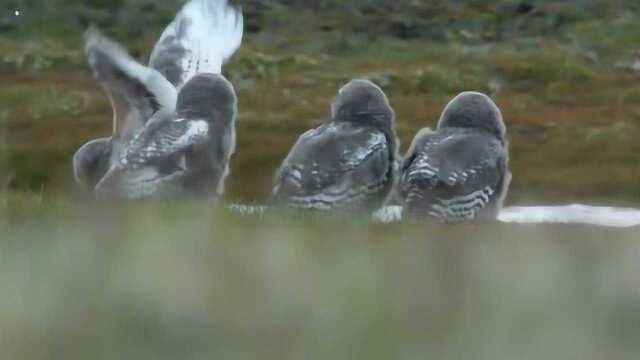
(454, 175)
(335, 166)
(183, 152)
(136, 92)
(204, 34)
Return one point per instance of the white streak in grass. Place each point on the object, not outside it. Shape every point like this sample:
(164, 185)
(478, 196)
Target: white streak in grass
(571, 214)
(247, 210)
(387, 215)
(566, 214)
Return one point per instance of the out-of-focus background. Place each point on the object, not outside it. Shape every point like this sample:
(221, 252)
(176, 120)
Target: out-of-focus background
(183, 281)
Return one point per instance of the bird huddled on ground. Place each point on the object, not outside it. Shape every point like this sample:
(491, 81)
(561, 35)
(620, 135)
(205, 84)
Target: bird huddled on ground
(174, 134)
(347, 163)
(459, 172)
(174, 120)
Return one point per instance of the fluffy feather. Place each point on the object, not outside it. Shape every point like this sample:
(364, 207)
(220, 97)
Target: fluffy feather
(347, 163)
(116, 69)
(204, 34)
(454, 174)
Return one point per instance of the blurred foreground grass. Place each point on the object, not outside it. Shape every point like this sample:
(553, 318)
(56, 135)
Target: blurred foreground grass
(186, 281)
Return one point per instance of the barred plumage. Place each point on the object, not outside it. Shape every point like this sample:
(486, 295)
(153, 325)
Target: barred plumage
(347, 163)
(174, 124)
(200, 39)
(458, 172)
(185, 153)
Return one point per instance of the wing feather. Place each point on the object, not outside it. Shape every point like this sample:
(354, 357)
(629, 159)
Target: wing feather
(163, 139)
(334, 167)
(136, 92)
(204, 34)
(454, 176)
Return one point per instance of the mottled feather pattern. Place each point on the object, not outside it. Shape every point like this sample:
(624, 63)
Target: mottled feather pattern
(453, 175)
(352, 198)
(465, 207)
(140, 183)
(355, 156)
(329, 168)
(204, 34)
(164, 143)
(164, 140)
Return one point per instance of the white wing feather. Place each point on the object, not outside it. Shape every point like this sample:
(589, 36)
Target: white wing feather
(208, 31)
(164, 92)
